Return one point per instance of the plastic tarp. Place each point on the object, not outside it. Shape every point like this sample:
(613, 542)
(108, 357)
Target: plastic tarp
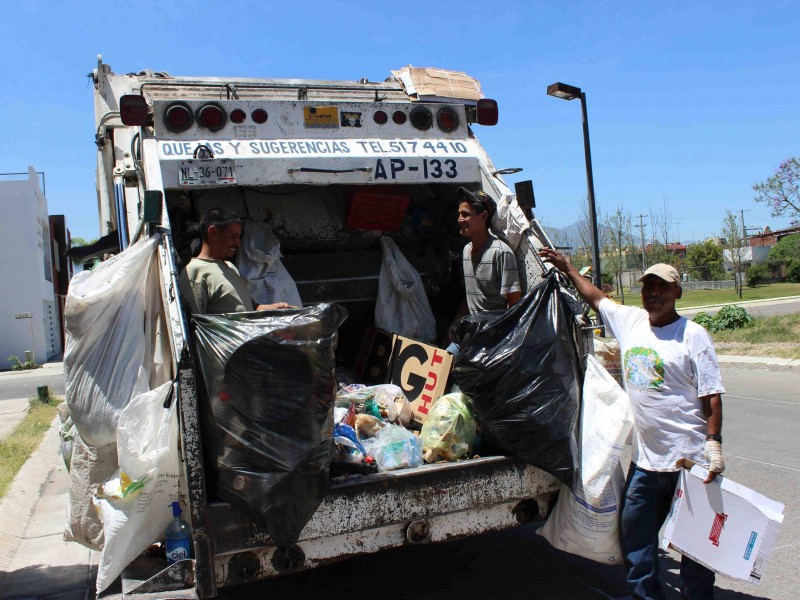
(521, 368)
(269, 377)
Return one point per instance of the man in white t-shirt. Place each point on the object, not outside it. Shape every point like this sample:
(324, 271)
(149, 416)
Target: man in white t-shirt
(673, 380)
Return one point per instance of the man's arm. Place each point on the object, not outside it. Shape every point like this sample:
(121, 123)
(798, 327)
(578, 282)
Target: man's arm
(273, 306)
(712, 409)
(585, 288)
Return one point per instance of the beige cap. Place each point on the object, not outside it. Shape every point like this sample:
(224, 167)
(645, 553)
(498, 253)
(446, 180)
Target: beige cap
(664, 271)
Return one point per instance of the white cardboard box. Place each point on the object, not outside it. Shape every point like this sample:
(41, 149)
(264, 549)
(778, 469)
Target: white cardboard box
(722, 525)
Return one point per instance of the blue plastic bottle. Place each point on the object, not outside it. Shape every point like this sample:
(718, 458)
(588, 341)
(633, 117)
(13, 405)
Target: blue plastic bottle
(177, 536)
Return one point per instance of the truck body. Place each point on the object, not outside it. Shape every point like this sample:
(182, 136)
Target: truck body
(300, 154)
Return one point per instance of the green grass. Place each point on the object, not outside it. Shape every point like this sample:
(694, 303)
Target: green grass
(17, 447)
(768, 336)
(706, 297)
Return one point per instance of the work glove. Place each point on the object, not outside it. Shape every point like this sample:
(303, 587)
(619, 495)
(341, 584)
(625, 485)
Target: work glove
(713, 454)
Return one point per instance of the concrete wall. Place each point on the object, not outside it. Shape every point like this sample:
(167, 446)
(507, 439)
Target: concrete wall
(26, 273)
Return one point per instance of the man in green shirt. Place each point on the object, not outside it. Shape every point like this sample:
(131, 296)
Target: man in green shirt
(210, 282)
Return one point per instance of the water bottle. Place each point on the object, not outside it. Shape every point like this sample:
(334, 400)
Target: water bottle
(177, 537)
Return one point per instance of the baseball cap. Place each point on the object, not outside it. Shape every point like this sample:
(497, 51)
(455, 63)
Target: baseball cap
(464, 195)
(664, 271)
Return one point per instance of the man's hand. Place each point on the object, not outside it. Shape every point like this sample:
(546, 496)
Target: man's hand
(716, 464)
(274, 306)
(555, 258)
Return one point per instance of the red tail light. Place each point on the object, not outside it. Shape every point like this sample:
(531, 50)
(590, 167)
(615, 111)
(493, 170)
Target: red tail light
(238, 115)
(178, 117)
(212, 117)
(398, 117)
(259, 116)
(380, 117)
(133, 109)
(487, 112)
(447, 119)
(421, 118)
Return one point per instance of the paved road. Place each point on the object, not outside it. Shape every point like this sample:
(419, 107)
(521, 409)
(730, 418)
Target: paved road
(762, 444)
(23, 384)
(757, 308)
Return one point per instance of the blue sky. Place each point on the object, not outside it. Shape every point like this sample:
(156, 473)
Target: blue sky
(689, 103)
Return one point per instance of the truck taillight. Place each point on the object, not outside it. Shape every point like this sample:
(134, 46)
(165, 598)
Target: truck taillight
(211, 116)
(487, 112)
(380, 117)
(178, 117)
(421, 118)
(133, 110)
(238, 115)
(447, 119)
(398, 117)
(259, 115)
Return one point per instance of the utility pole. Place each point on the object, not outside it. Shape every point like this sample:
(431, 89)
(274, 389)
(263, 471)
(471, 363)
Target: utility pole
(641, 235)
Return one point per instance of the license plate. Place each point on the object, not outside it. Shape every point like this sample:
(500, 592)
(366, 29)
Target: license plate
(215, 171)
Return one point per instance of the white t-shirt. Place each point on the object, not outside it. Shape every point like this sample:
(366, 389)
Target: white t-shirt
(666, 370)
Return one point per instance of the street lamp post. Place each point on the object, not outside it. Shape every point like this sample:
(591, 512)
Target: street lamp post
(569, 92)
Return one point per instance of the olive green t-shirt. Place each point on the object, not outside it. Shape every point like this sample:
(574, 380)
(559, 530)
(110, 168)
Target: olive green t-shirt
(214, 287)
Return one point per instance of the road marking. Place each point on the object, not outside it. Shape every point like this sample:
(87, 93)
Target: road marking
(764, 462)
(759, 399)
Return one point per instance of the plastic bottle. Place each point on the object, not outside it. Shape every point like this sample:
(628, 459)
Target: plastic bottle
(177, 537)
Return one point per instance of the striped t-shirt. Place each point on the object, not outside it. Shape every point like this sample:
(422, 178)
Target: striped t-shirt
(489, 276)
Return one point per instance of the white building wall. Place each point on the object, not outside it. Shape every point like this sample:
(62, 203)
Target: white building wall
(26, 273)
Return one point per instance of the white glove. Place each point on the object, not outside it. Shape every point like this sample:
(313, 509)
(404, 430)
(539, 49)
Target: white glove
(713, 453)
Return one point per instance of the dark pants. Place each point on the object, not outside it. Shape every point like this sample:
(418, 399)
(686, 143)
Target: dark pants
(645, 505)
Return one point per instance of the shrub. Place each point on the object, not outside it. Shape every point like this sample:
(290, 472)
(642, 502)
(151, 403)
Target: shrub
(732, 317)
(21, 366)
(793, 272)
(756, 274)
(706, 320)
(728, 317)
(608, 288)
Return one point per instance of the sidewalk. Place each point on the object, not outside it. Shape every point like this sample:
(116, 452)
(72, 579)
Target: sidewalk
(35, 562)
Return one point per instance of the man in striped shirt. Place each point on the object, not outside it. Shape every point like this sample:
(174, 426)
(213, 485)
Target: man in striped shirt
(490, 267)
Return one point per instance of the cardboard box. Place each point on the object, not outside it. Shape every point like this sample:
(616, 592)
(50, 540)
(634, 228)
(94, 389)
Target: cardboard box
(419, 369)
(722, 525)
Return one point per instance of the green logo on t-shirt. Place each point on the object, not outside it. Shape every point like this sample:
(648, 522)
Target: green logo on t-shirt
(644, 369)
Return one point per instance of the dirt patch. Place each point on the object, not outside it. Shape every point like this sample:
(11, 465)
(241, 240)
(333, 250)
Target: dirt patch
(774, 349)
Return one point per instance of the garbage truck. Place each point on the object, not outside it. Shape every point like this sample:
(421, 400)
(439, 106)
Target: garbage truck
(322, 173)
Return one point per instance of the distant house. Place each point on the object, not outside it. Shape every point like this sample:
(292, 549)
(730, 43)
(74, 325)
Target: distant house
(770, 238)
(30, 320)
(675, 248)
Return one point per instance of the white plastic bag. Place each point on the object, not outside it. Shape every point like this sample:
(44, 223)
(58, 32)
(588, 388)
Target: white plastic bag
(585, 520)
(402, 305)
(260, 264)
(107, 357)
(134, 504)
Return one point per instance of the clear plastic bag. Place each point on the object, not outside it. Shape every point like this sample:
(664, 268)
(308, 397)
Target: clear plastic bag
(270, 384)
(395, 447)
(449, 431)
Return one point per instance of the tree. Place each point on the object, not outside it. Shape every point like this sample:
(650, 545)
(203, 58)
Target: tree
(781, 192)
(79, 241)
(785, 251)
(618, 227)
(704, 260)
(734, 243)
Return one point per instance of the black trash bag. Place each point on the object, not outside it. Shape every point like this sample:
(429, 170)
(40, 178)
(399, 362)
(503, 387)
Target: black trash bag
(270, 383)
(522, 369)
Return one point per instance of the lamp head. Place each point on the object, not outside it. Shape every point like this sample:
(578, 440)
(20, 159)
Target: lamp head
(563, 91)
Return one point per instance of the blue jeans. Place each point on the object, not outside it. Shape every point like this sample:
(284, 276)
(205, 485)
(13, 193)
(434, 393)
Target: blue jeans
(645, 506)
